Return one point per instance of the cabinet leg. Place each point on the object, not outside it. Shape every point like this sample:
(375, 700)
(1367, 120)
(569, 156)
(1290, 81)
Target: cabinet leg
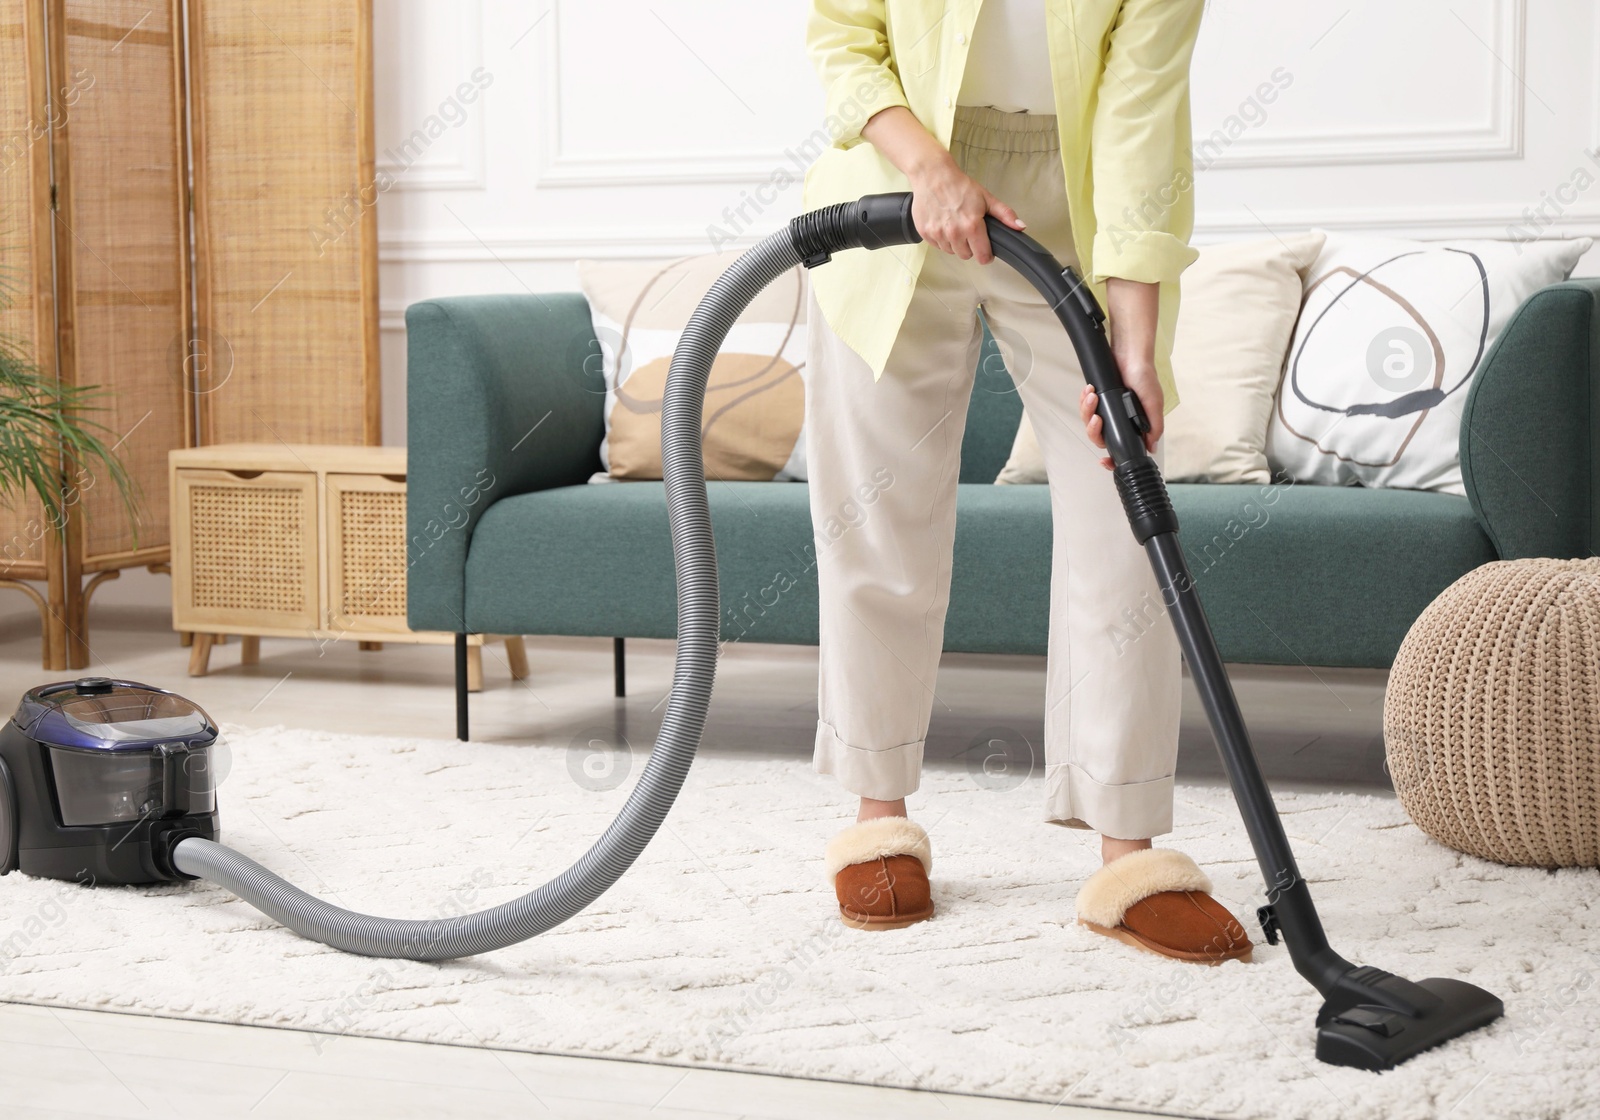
(517, 655)
(186, 638)
(619, 667)
(200, 655)
(249, 649)
(370, 646)
(474, 668)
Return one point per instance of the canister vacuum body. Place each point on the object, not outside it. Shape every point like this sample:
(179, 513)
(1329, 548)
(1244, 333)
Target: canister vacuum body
(100, 779)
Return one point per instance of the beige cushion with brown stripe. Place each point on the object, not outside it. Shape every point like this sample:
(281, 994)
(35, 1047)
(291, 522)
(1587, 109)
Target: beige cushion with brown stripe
(755, 401)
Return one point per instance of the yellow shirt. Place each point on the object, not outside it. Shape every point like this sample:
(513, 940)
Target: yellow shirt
(1121, 76)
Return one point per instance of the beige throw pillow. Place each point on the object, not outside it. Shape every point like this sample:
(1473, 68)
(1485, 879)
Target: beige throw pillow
(1235, 321)
(755, 401)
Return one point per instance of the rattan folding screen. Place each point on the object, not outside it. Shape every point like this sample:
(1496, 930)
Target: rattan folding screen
(245, 309)
(26, 315)
(285, 220)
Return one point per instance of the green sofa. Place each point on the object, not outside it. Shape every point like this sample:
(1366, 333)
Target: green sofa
(506, 536)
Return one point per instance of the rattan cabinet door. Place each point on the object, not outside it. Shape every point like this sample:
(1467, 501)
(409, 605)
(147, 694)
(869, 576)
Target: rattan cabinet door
(366, 534)
(244, 550)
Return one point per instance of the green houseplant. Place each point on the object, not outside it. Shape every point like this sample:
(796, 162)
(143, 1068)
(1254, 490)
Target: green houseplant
(43, 427)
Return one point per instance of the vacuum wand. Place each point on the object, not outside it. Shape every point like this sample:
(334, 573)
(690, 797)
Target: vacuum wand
(1369, 1018)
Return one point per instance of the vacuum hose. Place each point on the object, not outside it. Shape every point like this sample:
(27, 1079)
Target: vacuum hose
(873, 222)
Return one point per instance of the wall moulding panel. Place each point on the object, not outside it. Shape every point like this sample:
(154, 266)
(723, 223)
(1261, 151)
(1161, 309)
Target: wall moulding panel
(539, 245)
(428, 135)
(516, 247)
(1486, 61)
(665, 32)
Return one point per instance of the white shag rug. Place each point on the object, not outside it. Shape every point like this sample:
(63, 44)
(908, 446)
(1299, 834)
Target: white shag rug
(721, 946)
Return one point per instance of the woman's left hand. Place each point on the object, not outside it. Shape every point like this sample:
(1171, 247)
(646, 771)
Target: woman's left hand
(1146, 386)
(1134, 309)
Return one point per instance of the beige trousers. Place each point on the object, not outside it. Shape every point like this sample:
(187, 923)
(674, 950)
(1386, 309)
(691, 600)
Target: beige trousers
(883, 459)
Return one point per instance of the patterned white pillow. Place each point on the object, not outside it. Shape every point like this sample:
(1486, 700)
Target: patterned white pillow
(1390, 336)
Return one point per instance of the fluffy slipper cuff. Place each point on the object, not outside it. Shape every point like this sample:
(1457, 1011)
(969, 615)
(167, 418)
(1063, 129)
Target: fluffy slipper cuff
(1108, 894)
(875, 839)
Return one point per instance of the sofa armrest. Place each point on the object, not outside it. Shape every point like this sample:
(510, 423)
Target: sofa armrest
(499, 401)
(1529, 428)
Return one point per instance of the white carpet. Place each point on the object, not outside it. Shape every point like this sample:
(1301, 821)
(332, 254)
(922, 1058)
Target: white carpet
(721, 948)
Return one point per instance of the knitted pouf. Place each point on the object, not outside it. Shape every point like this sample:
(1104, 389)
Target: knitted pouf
(1492, 716)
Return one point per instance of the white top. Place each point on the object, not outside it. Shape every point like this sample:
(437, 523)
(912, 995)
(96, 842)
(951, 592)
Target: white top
(1008, 66)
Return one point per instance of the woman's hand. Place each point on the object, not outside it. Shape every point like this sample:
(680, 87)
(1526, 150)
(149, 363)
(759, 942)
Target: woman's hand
(948, 206)
(1146, 386)
(1134, 309)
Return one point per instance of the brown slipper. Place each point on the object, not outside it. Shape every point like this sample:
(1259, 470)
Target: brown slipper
(1160, 901)
(879, 870)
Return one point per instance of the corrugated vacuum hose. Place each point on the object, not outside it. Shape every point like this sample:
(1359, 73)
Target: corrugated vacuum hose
(1370, 1018)
(699, 615)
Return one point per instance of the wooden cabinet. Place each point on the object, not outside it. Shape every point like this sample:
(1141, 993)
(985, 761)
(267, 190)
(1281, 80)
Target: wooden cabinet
(295, 541)
(364, 520)
(249, 550)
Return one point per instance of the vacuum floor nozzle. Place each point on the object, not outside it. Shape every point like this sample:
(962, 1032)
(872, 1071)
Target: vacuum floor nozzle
(1397, 1019)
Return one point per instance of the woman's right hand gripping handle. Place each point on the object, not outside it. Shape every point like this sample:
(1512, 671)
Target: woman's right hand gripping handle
(948, 205)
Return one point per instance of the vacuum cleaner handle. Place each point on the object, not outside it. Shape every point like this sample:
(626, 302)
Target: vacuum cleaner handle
(878, 221)
(1122, 415)
(874, 221)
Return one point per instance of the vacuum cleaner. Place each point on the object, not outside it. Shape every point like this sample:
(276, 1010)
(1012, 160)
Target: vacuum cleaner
(111, 781)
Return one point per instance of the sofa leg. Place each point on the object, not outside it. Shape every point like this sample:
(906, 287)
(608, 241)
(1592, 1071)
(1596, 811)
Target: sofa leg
(619, 667)
(461, 687)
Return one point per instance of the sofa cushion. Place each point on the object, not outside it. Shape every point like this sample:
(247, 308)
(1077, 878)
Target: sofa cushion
(1240, 303)
(1289, 574)
(1296, 574)
(598, 560)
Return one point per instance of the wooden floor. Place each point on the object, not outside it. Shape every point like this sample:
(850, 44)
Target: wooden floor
(1317, 728)
(94, 1064)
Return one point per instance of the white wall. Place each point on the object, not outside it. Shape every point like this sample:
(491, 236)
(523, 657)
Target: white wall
(634, 128)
